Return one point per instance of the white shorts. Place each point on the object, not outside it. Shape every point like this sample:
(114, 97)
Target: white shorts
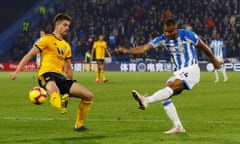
(189, 75)
(220, 58)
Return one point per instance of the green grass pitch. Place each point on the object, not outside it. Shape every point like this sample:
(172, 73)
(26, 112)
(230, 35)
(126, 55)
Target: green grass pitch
(210, 112)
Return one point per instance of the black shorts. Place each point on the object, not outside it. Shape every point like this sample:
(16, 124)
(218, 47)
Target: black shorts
(61, 81)
(100, 61)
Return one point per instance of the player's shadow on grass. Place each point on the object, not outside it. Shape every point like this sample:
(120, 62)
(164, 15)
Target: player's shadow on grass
(65, 140)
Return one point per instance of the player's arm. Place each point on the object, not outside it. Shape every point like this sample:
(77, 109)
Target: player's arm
(108, 53)
(92, 52)
(68, 68)
(137, 50)
(33, 52)
(207, 51)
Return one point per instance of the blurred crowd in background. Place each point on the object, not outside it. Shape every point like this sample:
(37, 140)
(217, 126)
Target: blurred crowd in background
(135, 22)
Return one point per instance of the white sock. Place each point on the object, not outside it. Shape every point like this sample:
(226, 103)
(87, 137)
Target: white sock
(224, 73)
(160, 95)
(216, 74)
(171, 112)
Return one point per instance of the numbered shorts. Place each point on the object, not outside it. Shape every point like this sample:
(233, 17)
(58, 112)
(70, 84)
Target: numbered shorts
(61, 81)
(189, 75)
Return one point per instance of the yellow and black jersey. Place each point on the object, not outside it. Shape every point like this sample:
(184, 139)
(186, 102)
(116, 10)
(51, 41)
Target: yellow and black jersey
(54, 51)
(100, 49)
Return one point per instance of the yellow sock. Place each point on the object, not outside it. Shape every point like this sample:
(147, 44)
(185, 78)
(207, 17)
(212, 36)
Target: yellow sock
(82, 112)
(103, 75)
(97, 75)
(55, 100)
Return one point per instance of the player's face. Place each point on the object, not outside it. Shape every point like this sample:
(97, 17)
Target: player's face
(171, 31)
(101, 37)
(63, 27)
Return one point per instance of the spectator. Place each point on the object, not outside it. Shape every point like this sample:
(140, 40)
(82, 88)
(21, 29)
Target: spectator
(25, 26)
(87, 57)
(42, 10)
(139, 18)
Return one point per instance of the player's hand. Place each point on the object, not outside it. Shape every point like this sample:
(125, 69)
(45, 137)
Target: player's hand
(121, 50)
(217, 64)
(13, 75)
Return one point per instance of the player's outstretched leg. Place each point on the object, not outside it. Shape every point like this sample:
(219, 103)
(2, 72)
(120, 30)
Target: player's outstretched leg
(159, 95)
(173, 116)
(79, 91)
(83, 109)
(140, 99)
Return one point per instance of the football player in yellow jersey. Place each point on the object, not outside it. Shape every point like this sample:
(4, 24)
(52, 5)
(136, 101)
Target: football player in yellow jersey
(100, 48)
(56, 54)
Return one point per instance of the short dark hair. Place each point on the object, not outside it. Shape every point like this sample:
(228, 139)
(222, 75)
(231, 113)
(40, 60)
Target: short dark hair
(62, 16)
(170, 22)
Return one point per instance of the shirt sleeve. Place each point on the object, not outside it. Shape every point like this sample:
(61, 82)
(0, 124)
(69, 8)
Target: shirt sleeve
(156, 41)
(193, 37)
(41, 43)
(105, 45)
(94, 45)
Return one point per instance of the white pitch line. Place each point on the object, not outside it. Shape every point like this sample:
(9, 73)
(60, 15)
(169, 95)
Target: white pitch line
(119, 120)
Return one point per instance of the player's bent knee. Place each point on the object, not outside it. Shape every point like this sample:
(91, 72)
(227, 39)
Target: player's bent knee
(177, 86)
(90, 96)
(87, 95)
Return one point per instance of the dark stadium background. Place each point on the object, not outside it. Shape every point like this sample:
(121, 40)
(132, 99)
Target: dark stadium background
(141, 19)
(10, 10)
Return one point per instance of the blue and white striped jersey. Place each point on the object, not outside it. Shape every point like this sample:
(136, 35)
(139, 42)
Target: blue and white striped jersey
(182, 48)
(218, 48)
